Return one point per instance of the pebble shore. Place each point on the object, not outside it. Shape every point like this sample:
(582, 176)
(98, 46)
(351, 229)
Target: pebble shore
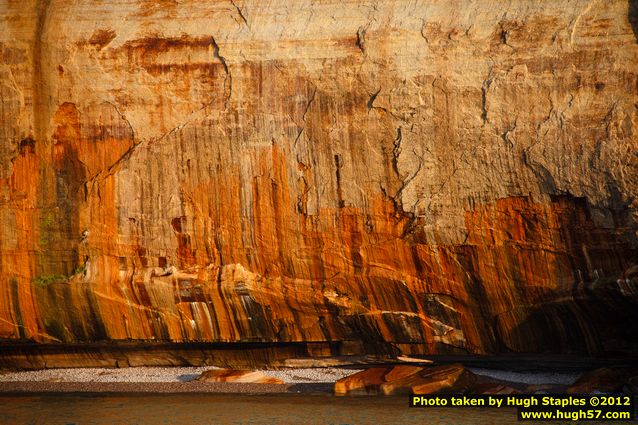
(182, 379)
(166, 374)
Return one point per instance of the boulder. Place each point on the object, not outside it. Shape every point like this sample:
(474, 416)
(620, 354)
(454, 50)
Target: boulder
(365, 382)
(603, 380)
(237, 376)
(430, 380)
(403, 379)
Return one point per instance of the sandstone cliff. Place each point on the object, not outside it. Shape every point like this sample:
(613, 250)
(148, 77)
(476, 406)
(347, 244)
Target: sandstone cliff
(415, 176)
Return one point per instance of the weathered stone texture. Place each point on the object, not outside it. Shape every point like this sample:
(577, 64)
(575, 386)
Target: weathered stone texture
(437, 176)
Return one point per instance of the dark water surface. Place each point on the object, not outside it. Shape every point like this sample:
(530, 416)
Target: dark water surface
(233, 409)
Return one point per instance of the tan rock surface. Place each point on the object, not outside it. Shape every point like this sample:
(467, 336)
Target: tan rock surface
(415, 177)
(437, 379)
(394, 380)
(367, 381)
(237, 376)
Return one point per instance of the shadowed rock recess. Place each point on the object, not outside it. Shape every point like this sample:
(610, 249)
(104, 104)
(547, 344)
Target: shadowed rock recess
(416, 177)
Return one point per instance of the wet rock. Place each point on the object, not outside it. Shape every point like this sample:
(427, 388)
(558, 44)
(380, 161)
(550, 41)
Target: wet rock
(237, 376)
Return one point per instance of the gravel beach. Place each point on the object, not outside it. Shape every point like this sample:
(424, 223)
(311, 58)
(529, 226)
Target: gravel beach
(163, 380)
(182, 379)
(165, 374)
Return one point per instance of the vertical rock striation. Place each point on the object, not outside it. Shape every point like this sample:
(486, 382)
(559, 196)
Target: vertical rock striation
(399, 176)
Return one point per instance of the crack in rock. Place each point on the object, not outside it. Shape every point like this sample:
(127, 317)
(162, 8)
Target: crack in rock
(228, 81)
(361, 39)
(486, 86)
(396, 151)
(427, 41)
(373, 97)
(240, 12)
(303, 116)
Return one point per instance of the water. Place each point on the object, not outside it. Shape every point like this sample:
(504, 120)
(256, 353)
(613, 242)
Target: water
(238, 409)
(235, 409)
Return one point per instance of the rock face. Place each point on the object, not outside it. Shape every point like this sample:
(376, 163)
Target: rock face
(402, 177)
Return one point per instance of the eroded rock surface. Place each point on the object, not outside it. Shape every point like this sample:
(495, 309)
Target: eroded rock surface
(399, 177)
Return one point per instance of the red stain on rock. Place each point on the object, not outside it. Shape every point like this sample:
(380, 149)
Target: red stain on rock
(102, 37)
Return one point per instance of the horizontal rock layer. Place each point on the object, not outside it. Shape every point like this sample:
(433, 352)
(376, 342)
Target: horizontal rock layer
(411, 177)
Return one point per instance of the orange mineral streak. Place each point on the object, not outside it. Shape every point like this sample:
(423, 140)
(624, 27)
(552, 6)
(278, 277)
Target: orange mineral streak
(96, 141)
(308, 278)
(259, 269)
(19, 317)
(264, 179)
